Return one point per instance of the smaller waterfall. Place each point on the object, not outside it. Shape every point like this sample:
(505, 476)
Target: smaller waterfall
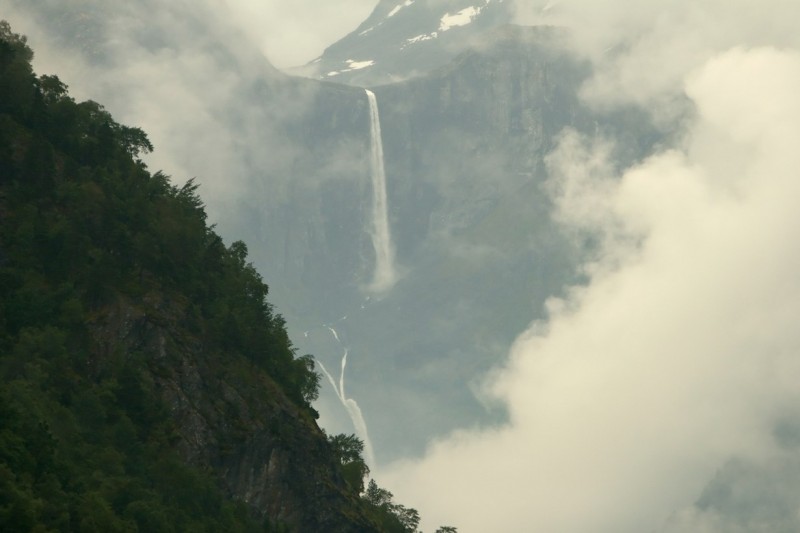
(385, 275)
(351, 406)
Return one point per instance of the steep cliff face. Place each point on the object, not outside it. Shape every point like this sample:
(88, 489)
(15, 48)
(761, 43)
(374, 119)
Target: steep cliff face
(232, 419)
(306, 219)
(478, 129)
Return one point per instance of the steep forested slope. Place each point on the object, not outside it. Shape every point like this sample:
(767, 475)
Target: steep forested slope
(147, 384)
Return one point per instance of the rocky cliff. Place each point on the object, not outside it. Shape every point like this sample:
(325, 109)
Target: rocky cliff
(230, 418)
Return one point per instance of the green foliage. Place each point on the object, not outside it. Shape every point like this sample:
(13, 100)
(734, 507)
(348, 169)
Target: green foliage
(391, 516)
(348, 449)
(85, 223)
(86, 443)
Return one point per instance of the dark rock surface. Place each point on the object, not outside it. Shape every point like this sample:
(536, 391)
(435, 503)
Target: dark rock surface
(233, 420)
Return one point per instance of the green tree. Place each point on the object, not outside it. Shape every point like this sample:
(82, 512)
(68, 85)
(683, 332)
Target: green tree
(308, 381)
(348, 449)
(392, 517)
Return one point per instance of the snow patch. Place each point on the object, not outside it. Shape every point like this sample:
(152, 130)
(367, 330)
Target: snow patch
(352, 65)
(420, 38)
(394, 11)
(449, 21)
(358, 65)
(462, 18)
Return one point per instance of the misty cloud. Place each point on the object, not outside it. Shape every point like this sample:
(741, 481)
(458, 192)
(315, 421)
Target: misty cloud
(291, 33)
(679, 355)
(644, 50)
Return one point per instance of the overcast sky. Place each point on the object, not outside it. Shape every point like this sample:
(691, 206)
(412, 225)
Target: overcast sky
(293, 32)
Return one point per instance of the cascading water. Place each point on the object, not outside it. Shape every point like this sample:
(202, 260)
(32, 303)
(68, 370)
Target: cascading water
(350, 405)
(385, 275)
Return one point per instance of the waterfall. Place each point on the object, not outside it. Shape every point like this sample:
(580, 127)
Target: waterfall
(350, 405)
(385, 276)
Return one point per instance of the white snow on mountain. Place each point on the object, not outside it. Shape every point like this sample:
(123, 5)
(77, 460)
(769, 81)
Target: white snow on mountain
(420, 38)
(461, 18)
(394, 11)
(447, 22)
(358, 65)
(351, 66)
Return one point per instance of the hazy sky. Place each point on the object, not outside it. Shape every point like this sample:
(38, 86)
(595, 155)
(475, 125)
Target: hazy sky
(293, 32)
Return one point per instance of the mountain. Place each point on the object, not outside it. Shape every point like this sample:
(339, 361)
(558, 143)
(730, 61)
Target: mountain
(284, 164)
(147, 383)
(401, 39)
(468, 119)
(470, 215)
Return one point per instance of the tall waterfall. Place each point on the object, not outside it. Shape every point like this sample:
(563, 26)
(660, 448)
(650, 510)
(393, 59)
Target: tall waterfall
(385, 275)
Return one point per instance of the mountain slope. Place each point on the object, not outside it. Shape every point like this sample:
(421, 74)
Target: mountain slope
(147, 382)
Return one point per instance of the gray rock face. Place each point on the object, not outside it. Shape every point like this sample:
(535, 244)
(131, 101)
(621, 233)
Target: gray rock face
(233, 420)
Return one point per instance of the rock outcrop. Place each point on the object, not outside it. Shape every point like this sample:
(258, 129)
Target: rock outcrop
(232, 419)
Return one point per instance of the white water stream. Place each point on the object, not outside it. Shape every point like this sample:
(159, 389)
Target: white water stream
(385, 276)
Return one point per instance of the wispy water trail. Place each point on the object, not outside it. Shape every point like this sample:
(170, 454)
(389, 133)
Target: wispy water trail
(351, 406)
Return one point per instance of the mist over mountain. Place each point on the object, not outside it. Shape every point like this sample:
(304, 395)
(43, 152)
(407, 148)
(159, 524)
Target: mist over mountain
(479, 254)
(577, 196)
(402, 39)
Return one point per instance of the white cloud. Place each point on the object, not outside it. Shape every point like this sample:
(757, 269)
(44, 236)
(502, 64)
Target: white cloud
(294, 32)
(682, 350)
(645, 48)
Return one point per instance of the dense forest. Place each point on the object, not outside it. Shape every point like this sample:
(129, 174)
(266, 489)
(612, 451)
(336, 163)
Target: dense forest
(145, 376)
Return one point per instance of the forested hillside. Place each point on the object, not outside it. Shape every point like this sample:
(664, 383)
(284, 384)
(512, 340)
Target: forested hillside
(147, 383)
